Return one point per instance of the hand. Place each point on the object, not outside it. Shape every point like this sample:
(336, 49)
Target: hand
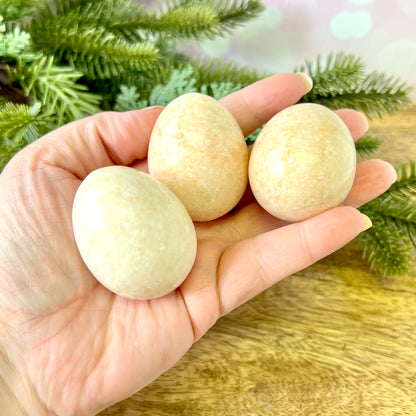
(68, 346)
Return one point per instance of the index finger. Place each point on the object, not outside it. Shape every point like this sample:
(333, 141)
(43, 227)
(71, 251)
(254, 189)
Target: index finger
(122, 138)
(255, 104)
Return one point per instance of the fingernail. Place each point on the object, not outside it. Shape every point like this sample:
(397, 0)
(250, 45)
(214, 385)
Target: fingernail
(154, 107)
(367, 222)
(307, 80)
(393, 172)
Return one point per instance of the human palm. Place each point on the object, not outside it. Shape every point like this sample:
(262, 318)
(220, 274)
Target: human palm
(73, 347)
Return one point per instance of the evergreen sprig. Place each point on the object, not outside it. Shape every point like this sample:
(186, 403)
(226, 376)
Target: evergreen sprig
(341, 82)
(203, 19)
(55, 87)
(218, 71)
(367, 144)
(16, 9)
(20, 125)
(14, 44)
(92, 50)
(195, 20)
(334, 75)
(129, 99)
(82, 34)
(389, 244)
(386, 249)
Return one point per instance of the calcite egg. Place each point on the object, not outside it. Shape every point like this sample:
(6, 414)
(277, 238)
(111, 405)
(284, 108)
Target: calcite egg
(198, 150)
(302, 163)
(133, 233)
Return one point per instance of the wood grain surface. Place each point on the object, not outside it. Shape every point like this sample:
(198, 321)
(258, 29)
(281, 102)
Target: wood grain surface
(335, 339)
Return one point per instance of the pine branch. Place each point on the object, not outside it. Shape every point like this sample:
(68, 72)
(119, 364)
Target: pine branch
(340, 83)
(395, 212)
(19, 121)
(235, 13)
(56, 88)
(71, 35)
(180, 82)
(386, 249)
(377, 95)
(119, 17)
(219, 90)
(194, 20)
(20, 125)
(129, 99)
(217, 71)
(367, 145)
(338, 73)
(16, 9)
(202, 19)
(14, 44)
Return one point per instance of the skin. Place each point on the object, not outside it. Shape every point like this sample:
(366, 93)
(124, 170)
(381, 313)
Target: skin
(68, 346)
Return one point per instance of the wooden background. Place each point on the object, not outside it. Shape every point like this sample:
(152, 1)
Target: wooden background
(335, 339)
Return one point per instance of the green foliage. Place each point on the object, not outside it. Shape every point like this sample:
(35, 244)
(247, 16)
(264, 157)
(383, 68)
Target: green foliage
(389, 244)
(56, 88)
(19, 125)
(103, 39)
(129, 99)
(386, 249)
(333, 76)
(341, 82)
(201, 19)
(180, 82)
(15, 9)
(93, 51)
(367, 144)
(219, 71)
(15, 43)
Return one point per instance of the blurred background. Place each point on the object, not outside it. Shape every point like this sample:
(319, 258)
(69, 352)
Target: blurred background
(382, 32)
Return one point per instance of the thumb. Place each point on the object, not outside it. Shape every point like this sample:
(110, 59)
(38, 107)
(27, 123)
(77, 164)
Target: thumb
(100, 140)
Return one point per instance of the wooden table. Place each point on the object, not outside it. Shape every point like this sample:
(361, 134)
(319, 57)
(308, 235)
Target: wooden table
(335, 339)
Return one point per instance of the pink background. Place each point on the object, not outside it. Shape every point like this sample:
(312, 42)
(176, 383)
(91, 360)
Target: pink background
(382, 32)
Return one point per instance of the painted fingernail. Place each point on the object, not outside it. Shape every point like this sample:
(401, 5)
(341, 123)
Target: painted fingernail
(307, 80)
(367, 222)
(393, 172)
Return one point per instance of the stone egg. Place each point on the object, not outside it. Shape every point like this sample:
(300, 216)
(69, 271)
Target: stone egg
(133, 233)
(197, 149)
(302, 163)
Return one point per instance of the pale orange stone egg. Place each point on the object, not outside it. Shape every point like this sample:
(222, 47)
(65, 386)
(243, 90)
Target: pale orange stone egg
(133, 233)
(198, 151)
(302, 163)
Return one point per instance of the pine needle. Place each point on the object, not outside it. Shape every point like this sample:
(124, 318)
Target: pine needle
(341, 83)
(394, 224)
(234, 13)
(218, 70)
(20, 125)
(129, 99)
(336, 74)
(386, 249)
(56, 88)
(16, 9)
(200, 20)
(367, 144)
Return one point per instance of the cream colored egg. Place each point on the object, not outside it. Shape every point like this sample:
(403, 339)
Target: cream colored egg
(198, 150)
(302, 163)
(133, 233)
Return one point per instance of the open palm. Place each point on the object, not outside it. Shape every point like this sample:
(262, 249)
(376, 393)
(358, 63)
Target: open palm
(72, 346)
